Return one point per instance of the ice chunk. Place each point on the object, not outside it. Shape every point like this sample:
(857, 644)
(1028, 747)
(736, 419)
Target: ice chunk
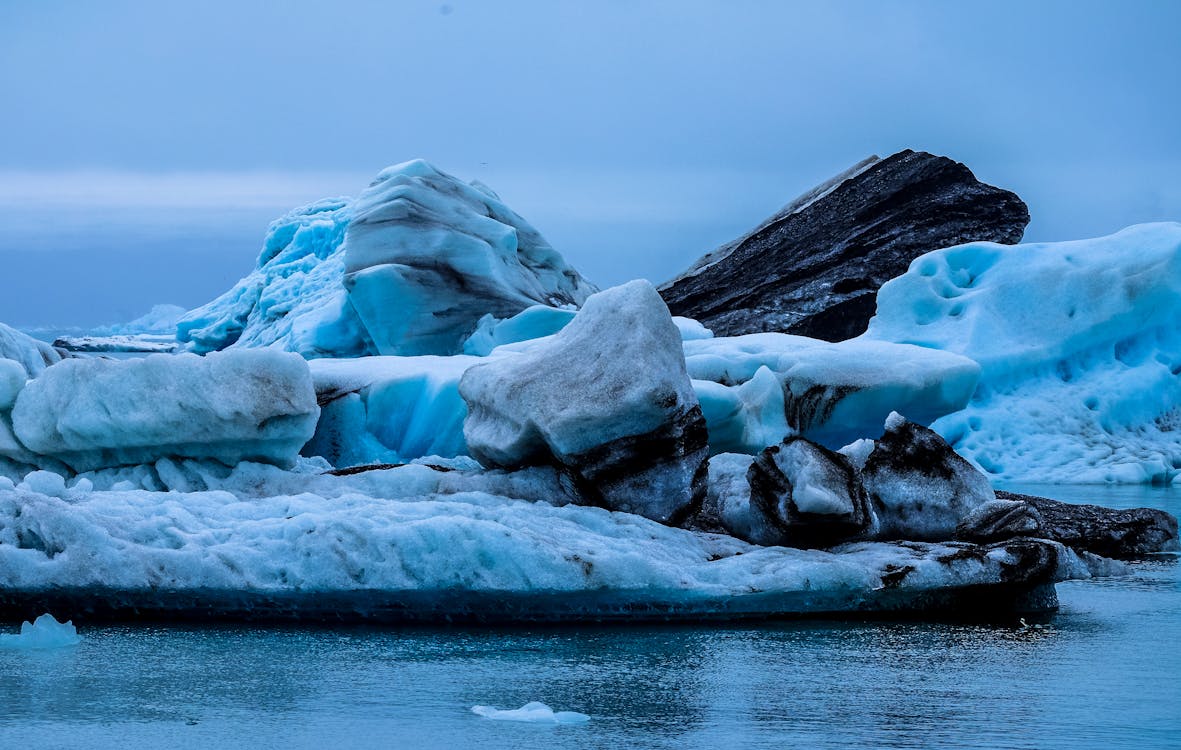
(533, 713)
(607, 398)
(427, 256)
(32, 354)
(830, 393)
(531, 323)
(44, 632)
(12, 379)
(1079, 349)
(920, 488)
(229, 406)
(44, 482)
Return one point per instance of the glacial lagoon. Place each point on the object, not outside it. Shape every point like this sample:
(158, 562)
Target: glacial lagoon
(1102, 673)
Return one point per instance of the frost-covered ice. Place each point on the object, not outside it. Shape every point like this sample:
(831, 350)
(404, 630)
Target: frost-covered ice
(1078, 345)
(755, 389)
(230, 406)
(34, 355)
(44, 632)
(533, 712)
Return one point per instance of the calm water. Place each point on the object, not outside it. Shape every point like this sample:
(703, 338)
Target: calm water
(1106, 673)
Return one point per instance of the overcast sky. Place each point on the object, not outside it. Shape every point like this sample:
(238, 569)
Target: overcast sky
(144, 146)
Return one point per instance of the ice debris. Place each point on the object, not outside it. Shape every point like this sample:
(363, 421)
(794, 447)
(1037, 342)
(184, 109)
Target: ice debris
(43, 633)
(533, 712)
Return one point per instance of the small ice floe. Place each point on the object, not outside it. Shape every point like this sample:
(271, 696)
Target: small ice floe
(44, 632)
(533, 713)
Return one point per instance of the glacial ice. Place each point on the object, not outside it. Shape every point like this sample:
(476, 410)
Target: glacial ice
(607, 397)
(42, 633)
(451, 534)
(231, 406)
(1078, 346)
(294, 299)
(533, 712)
(12, 380)
(757, 388)
(415, 265)
(32, 354)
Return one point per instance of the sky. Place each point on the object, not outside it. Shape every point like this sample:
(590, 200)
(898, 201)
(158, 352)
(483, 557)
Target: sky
(145, 146)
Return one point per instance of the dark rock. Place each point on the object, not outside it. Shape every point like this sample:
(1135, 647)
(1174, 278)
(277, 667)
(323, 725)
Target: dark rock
(1103, 531)
(804, 495)
(999, 520)
(920, 488)
(814, 268)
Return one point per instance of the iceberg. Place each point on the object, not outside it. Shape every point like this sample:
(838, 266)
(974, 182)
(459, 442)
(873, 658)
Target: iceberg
(42, 633)
(427, 256)
(1078, 347)
(229, 406)
(32, 354)
(449, 543)
(412, 266)
(533, 712)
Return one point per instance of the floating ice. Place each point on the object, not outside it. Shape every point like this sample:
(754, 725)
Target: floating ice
(1078, 345)
(533, 713)
(230, 406)
(44, 632)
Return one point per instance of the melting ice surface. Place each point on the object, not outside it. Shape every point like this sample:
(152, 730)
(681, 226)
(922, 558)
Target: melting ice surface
(533, 712)
(44, 632)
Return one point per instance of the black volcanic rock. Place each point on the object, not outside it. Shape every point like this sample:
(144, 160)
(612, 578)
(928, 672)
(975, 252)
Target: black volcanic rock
(1103, 531)
(814, 268)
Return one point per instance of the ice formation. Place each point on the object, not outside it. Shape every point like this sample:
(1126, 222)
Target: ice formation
(44, 632)
(412, 266)
(533, 712)
(33, 355)
(607, 397)
(755, 389)
(294, 299)
(230, 406)
(425, 542)
(427, 256)
(1078, 345)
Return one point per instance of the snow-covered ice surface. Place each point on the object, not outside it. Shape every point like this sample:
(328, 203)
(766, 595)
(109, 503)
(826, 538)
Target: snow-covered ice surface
(230, 406)
(1078, 345)
(44, 632)
(533, 712)
(420, 542)
(755, 389)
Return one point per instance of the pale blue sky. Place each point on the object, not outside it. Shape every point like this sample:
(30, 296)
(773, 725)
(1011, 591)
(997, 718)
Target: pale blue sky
(145, 145)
